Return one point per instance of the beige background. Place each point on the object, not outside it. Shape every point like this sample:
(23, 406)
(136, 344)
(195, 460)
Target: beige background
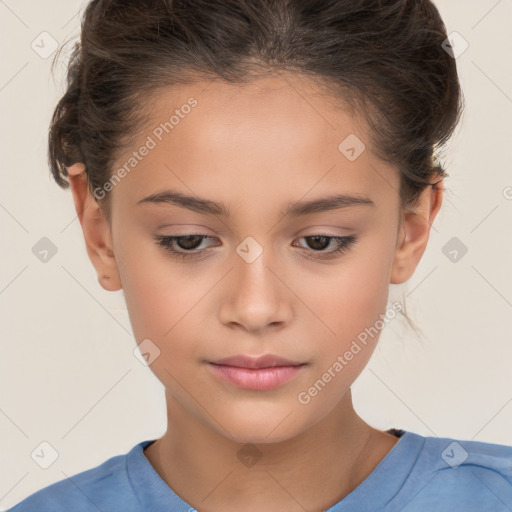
(68, 375)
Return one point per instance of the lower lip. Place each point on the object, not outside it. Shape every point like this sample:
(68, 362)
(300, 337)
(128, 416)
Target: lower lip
(259, 379)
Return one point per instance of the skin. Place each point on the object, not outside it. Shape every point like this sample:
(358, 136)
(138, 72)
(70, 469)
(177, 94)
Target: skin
(256, 148)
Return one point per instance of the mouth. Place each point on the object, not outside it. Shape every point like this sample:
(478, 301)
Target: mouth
(256, 373)
(256, 362)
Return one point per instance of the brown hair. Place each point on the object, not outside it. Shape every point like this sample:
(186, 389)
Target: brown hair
(383, 56)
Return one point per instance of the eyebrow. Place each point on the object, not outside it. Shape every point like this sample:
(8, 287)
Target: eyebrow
(295, 209)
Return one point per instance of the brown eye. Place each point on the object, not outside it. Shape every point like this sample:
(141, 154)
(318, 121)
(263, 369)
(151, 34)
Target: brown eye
(319, 243)
(186, 246)
(189, 242)
(182, 246)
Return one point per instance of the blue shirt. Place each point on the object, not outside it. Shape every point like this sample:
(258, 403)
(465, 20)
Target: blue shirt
(418, 474)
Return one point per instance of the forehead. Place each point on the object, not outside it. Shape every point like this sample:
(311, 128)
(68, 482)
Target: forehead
(294, 108)
(273, 135)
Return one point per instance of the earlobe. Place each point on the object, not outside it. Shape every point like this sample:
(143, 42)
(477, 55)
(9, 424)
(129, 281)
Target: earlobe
(414, 233)
(96, 229)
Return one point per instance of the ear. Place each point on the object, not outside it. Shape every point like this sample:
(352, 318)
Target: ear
(414, 232)
(96, 229)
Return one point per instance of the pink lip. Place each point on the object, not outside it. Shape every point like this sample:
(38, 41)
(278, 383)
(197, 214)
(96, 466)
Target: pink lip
(259, 373)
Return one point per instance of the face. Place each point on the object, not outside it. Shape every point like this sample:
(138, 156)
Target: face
(255, 278)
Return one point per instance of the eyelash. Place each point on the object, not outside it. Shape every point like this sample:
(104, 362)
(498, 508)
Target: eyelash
(167, 242)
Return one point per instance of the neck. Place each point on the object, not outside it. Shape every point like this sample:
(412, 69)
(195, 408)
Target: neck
(210, 471)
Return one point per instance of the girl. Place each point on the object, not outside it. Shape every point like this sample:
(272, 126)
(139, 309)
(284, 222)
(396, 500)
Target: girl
(253, 174)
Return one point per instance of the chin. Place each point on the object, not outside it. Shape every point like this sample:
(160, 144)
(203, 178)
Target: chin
(257, 428)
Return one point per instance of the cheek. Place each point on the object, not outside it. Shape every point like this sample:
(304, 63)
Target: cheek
(155, 297)
(165, 302)
(348, 308)
(160, 303)
(161, 309)
(352, 297)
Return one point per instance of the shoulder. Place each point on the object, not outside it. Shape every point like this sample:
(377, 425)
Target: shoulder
(474, 475)
(104, 487)
(448, 453)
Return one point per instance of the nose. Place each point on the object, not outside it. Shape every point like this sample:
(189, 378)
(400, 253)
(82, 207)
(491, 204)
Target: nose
(256, 297)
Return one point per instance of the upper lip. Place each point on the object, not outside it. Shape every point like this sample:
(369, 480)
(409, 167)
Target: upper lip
(265, 361)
